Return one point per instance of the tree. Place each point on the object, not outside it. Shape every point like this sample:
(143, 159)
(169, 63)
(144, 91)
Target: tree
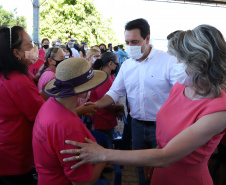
(78, 19)
(10, 18)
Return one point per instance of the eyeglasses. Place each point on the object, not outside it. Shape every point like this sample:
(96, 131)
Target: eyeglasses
(117, 64)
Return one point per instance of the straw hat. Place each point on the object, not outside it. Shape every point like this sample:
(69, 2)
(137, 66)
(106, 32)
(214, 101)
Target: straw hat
(74, 76)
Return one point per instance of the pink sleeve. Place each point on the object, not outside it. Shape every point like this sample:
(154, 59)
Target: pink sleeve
(80, 174)
(46, 77)
(28, 99)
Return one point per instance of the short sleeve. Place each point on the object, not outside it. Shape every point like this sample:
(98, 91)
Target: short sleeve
(82, 173)
(27, 99)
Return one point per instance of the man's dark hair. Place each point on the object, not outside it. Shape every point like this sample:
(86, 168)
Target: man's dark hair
(120, 46)
(8, 62)
(116, 48)
(109, 45)
(140, 24)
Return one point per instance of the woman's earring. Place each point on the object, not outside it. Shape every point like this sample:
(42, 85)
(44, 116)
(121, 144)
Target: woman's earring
(19, 59)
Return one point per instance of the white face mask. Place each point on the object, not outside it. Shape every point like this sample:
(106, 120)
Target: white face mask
(134, 52)
(32, 55)
(181, 75)
(94, 59)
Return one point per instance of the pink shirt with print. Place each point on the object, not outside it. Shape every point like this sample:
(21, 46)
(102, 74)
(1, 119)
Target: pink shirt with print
(53, 125)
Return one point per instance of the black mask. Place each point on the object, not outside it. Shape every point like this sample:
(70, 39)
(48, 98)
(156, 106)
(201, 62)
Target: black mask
(46, 46)
(57, 62)
(102, 51)
(114, 71)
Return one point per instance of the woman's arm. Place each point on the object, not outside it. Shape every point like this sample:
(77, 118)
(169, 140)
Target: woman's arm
(180, 146)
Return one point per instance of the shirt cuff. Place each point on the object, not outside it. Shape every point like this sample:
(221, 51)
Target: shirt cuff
(113, 95)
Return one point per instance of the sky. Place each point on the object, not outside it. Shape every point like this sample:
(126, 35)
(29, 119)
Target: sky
(163, 17)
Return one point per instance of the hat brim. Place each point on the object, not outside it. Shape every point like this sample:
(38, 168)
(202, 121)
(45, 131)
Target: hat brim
(98, 79)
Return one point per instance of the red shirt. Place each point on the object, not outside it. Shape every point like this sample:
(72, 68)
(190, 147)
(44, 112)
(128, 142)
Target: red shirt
(53, 125)
(19, 104)
(42, 54)
(34, 68)
(103, 119)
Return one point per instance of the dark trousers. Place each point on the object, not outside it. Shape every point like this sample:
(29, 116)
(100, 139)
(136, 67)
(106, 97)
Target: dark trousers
(143, 137)
(24, 179)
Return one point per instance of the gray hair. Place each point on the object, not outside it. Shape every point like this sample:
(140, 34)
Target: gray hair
(203, 50)
(51, 53)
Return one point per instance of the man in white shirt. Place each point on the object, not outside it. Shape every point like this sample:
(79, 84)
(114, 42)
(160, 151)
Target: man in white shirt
(146, 77)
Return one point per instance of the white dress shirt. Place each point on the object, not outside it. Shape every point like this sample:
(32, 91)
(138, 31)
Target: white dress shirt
(147, 84)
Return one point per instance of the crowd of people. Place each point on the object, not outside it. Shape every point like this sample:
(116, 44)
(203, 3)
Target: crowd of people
(177, 102)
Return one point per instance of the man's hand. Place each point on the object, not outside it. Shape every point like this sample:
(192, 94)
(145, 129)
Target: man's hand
(87, 110)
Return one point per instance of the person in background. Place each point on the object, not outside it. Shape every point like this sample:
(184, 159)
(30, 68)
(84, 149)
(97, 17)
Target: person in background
(105, 119)
(116, 52)
(75, 53)
(53, 43)
(96, 47)
(67, 51)
(53, 57)
(192, 121)
(122, 53)
(109, 47)
(57, 120)
(102, 48)
(44, 47)
(76, 45)
(58, 42)
(92, 56)
(75, 42)
(83, 50)
(19, 104)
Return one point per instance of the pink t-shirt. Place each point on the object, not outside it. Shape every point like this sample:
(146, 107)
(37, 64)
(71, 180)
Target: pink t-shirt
(103, 119)
(42, 54)
(19, 104)
(48, 75)
(53, 125)
(177, 114)
(34, 68)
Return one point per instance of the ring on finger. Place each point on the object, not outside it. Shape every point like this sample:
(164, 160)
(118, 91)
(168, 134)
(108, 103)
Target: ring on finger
(77, 157)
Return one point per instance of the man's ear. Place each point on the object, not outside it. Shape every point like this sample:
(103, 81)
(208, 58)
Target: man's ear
(16, 53)
(148, 39)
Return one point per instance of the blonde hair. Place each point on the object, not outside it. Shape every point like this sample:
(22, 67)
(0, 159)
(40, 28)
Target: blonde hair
(203, 50)
(90, 53)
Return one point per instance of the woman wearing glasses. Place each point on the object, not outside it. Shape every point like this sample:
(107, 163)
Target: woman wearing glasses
(19, 104)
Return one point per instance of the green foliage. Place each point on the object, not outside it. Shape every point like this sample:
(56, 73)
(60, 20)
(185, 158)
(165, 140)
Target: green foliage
(77, 19)
(10, 18)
